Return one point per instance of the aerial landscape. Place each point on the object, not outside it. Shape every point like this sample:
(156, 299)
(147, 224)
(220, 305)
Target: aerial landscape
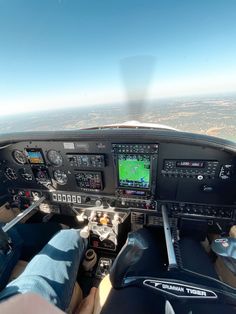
(211, 115)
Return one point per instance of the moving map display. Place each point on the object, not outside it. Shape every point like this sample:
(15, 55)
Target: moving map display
(134, 171)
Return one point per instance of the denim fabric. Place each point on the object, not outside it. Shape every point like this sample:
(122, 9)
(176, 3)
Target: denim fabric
(27, 240)
(52, 273)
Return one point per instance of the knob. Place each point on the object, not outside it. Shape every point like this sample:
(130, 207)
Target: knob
(104, 220)
(92, 216)
(200, 177)
(116, 217)
(84, 233)
(98, 203)
(116, 220)
(81, 217)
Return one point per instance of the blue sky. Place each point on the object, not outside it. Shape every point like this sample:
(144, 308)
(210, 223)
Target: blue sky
(56, 53)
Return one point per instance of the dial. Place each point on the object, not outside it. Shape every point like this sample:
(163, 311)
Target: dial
(60, 176)
(19, 157)
(26, 175)
(41, 174)
(55, 157)
(11, 174)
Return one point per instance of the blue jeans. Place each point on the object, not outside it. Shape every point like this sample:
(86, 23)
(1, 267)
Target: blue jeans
(28, 240)
(52, 272)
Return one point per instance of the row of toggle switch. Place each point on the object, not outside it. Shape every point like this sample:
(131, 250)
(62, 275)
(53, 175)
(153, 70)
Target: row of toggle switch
(66, 198)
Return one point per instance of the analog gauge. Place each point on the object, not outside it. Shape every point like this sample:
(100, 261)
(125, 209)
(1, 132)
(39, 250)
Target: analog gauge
(41, 175)
(26, 175)
(19, 157)
(55, 158)
(11, 174)
(60, 177)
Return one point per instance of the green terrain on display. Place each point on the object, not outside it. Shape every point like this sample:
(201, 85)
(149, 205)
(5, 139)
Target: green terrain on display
(134, 170)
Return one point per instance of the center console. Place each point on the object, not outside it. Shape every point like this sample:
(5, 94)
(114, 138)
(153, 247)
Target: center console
(106, 230)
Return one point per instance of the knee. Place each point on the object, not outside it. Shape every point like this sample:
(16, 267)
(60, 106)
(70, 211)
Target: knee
(73, 236)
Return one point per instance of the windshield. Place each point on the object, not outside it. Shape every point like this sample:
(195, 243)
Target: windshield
(70, 64)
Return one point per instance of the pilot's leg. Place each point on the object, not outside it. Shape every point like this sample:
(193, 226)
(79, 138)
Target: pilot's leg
(52, 273)
(27, 240)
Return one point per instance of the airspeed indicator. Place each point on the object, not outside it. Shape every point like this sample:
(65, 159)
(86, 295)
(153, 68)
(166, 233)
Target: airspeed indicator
(55, 158)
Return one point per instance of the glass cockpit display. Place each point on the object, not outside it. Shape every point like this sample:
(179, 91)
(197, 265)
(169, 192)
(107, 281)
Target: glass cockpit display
(134, 171)
(35, 156)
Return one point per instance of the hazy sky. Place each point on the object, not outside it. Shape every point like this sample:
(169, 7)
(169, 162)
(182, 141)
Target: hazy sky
(56, 53)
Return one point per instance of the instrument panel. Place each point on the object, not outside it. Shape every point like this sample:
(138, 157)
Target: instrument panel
(130, 174)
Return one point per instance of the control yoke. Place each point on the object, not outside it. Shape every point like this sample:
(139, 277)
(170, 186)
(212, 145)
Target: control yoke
(129, 255)
(133, 250)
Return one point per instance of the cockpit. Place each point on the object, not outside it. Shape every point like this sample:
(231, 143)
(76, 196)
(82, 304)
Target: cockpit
(156, 207)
